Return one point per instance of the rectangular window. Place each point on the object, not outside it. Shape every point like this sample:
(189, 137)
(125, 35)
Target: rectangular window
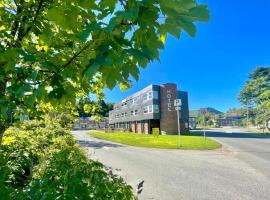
(150, 109)
(135, 99)
(126, 114)
(156, 109)
(122, 115)
(150, 95)
(155, 95)
(145, 110)
(145, 97)
(135, 112)
(131, 113)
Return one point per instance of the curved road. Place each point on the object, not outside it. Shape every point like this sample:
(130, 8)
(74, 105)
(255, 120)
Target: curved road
(233, 172)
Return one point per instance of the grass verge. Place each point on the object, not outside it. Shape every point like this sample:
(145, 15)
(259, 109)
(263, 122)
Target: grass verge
(162, 142)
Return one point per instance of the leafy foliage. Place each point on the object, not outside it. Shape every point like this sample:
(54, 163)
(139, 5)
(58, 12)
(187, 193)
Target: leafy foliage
(88, 108)
(55, 51)
(256, 92)
(40, 160)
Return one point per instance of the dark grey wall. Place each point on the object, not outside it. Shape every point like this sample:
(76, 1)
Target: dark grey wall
(185, 107)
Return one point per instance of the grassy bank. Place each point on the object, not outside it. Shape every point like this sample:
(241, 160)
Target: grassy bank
(163, 141)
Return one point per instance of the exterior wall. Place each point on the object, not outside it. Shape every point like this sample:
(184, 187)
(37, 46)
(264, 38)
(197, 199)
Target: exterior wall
(138, 105)
(168, 120)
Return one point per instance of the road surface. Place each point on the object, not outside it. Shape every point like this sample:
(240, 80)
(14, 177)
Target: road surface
(184, 174)
(251, 148)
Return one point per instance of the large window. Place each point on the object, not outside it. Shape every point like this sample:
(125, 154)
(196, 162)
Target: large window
(150, 95)
(148, 109)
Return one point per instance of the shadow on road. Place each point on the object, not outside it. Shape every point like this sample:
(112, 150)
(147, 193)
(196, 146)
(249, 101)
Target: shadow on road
(96, 144)
(237, 135)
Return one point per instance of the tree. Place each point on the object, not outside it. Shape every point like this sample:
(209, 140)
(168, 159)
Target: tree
(55, 51)
(257, 92)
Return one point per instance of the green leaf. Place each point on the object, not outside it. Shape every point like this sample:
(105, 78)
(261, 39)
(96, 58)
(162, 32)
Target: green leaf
(92, 27)
(200, 13)
(188, 26)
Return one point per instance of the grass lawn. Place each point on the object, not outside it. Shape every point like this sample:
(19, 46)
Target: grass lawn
(163, 141)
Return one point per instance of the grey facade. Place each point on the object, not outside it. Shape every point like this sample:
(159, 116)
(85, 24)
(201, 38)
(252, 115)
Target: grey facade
(152, 107)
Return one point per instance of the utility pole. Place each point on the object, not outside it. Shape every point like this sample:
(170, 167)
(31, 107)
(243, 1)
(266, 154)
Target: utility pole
(177, 104)
(247, 117)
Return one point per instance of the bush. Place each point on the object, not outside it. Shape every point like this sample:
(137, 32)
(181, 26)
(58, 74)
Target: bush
(40, 160)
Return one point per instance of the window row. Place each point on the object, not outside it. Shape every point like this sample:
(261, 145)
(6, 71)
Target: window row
(126, 114)
(145, 97)
(151, 109)
(146, 110)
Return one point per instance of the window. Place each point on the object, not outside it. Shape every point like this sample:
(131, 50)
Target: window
(122, 115)
(124, 104)
(117, 116)
(131, 113)
(156, 108)
(134, 100)
(155, 94)
(126, 114)
(150, 95)
(145, 96)
(145, 110)
(135, 112)
(150, 109)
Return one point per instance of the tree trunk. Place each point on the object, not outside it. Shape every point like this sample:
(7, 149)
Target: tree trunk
(3, 84)
(267, 124)
(2, 130)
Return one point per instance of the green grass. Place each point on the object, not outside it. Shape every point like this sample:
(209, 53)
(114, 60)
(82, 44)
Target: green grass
(162, 142)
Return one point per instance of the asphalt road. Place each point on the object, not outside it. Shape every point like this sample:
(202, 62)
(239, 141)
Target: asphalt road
(232, 172)
(254, 149)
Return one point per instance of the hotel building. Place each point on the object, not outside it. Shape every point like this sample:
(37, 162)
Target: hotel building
(152, 107)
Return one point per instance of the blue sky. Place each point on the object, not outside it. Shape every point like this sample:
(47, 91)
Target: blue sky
(214, 65)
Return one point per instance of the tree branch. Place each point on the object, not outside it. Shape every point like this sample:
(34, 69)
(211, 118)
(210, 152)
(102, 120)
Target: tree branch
(76, 55)
(40, 4)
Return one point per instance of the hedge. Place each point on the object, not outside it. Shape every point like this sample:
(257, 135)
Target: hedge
(41, 160)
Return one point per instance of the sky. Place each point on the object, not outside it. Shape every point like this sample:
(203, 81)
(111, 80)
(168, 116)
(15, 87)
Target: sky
(214, 65)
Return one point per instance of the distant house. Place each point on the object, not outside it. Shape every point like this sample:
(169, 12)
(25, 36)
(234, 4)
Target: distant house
(230, 121)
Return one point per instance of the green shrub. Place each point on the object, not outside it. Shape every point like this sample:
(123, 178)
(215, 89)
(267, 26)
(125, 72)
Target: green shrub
(40, 160)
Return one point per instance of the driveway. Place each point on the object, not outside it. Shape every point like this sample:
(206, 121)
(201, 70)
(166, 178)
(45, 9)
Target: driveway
(181, 174)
